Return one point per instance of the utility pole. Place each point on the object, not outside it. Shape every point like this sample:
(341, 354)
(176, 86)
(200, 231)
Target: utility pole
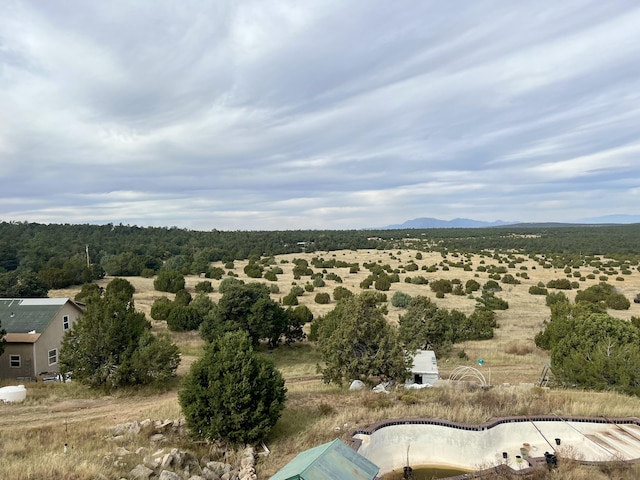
(86, 249)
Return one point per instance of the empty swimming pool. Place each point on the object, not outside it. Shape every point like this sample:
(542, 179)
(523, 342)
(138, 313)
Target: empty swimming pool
(394, 444)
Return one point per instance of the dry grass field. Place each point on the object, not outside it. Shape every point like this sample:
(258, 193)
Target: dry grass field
(34, 433)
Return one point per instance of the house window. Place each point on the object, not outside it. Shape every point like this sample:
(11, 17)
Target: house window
(14, 361)
(53, 356)
(65, 322)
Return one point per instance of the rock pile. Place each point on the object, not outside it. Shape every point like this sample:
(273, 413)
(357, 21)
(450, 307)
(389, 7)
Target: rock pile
(161, 462)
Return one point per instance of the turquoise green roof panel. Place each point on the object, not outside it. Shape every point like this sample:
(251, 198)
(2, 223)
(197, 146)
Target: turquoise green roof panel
(333, 460)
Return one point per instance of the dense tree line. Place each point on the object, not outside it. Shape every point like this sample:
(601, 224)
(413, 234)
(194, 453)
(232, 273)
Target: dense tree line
(610, 240)
(57, 254)
(63, 255)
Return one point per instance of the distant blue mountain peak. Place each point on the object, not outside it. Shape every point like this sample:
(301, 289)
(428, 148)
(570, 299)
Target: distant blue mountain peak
(428, 222)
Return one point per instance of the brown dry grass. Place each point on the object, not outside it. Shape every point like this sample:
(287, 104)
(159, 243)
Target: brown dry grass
(33, 433)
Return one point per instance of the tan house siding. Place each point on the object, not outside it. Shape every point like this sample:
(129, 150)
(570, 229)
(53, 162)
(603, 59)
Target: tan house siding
(34, 349)
(25, 351)
(51, 339)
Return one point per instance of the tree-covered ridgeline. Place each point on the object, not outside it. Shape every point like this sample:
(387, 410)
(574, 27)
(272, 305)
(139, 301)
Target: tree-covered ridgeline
(56, 256)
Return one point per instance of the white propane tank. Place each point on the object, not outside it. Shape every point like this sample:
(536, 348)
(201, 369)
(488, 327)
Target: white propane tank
(13, 394)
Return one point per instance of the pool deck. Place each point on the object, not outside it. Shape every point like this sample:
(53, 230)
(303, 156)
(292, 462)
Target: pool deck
(480, 447)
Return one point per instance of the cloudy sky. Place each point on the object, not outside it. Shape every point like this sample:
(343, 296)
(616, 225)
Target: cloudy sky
(323, 114)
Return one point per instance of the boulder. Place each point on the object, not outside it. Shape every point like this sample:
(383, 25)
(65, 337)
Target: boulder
(157, 438)
(121, 452)
(356, 385)
(162, 426)
(209, 474)
(141, 473)
(219, 468)
(168, 475)
(380, 389)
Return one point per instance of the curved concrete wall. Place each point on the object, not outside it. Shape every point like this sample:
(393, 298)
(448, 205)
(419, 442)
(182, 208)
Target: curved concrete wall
(478, 447)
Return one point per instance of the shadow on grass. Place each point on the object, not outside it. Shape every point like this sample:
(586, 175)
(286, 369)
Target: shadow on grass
(291, 355)
(295, 422)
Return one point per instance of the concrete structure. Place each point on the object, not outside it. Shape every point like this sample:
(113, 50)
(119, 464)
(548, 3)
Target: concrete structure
(333, 460)
(425, 368)
(35, 327)
(478, 447)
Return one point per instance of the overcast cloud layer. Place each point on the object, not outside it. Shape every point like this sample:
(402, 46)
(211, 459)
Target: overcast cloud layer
(333, 114)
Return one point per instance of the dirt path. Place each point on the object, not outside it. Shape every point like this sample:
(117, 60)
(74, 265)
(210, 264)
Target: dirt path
(103, 412)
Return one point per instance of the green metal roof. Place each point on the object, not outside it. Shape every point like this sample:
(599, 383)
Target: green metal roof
(333, 460)
(24, 315)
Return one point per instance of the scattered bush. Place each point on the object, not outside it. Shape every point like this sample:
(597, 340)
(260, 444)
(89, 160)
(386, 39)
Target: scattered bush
(419, 280)
(204, 287)
(510, 279)
(322, 298)
(228, 283)
(605, 293)
(290, 299)
(214, 272)
(271, 276)
(341, 292)
(400, 299)
(297, 290)
(492, 286)
(334, 277)
(169, 282)
(489, 301)
(471, 286)
(382, 283)
(253, 270)
(182, 298)
(560, 284)
(442, 285)
(161, 308)
(536, 290)
(556, 297)
(183, 318)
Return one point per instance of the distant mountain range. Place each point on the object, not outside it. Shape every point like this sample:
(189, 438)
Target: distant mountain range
(429, 222)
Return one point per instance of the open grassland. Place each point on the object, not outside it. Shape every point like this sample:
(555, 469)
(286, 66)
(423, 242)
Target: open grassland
(34, 433)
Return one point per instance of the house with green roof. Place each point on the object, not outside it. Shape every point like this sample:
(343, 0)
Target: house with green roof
(35, 327)
(333, 460)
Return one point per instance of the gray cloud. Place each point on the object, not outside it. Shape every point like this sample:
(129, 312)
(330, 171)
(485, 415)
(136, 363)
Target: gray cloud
(317, 114)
